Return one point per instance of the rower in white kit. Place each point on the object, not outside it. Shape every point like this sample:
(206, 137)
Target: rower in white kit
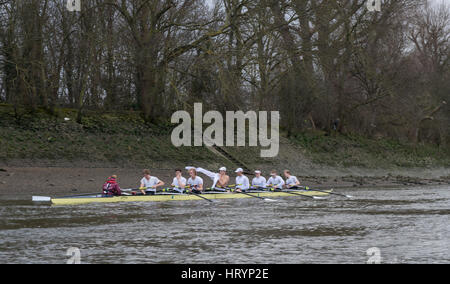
(275, 181)
(179, 182)
(195, 182)
(242, 182)
(149, 184)
(220, 179)
(291, 181)
(259, 182)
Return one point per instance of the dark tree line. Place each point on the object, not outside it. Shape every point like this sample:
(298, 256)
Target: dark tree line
(324, 64)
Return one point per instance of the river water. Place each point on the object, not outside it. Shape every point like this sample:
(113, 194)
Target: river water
(401, 225)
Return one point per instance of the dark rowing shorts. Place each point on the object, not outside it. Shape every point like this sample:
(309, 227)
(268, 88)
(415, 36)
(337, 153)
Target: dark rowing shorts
(149, 193)
(257, 188)
(295, 187)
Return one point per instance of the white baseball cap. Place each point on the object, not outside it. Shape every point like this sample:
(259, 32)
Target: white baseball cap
(239, 170)
(257, 172)
(223, 169)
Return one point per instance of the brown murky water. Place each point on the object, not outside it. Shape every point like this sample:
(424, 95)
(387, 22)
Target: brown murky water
(409, 225)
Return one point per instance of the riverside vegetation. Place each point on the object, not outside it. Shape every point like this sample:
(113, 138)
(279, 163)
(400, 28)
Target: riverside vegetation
(125, 139)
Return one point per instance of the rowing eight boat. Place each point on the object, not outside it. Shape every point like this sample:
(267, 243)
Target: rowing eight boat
(178, 197)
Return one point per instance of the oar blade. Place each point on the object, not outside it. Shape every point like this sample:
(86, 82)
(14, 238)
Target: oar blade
(270, 200)
(340, 194)
(319, 198)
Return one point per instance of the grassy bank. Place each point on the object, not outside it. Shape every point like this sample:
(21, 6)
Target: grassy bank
(359, 151)
(125, 140)
(102, 139)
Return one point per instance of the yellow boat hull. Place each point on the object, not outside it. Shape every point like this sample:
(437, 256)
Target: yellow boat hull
(179, 197)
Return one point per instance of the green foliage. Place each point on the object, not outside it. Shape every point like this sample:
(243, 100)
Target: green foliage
(122, 138)
(355, 150)
(126, 139)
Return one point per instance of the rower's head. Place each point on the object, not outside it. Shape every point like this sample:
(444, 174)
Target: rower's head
(223, 171)
(178, 172)
(193, 172)
(112, 178)
(287, 173)
(273, 173)
(257, 173)
(239, 172)
(146, 173)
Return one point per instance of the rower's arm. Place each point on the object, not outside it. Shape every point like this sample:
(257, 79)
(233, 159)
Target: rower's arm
(160, 183)
(297, 183)
(142, 188)
(281, 184)
(182, 185)
(246, 184)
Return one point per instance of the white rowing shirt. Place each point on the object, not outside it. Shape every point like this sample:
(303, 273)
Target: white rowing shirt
(242, 182)
(259, 181)
(277, 181)
(292, 180)
(195, 182)
(175, 181)
(214, 176)
(150, 183)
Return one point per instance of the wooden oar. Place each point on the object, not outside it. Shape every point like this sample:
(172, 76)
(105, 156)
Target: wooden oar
(335, 193)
